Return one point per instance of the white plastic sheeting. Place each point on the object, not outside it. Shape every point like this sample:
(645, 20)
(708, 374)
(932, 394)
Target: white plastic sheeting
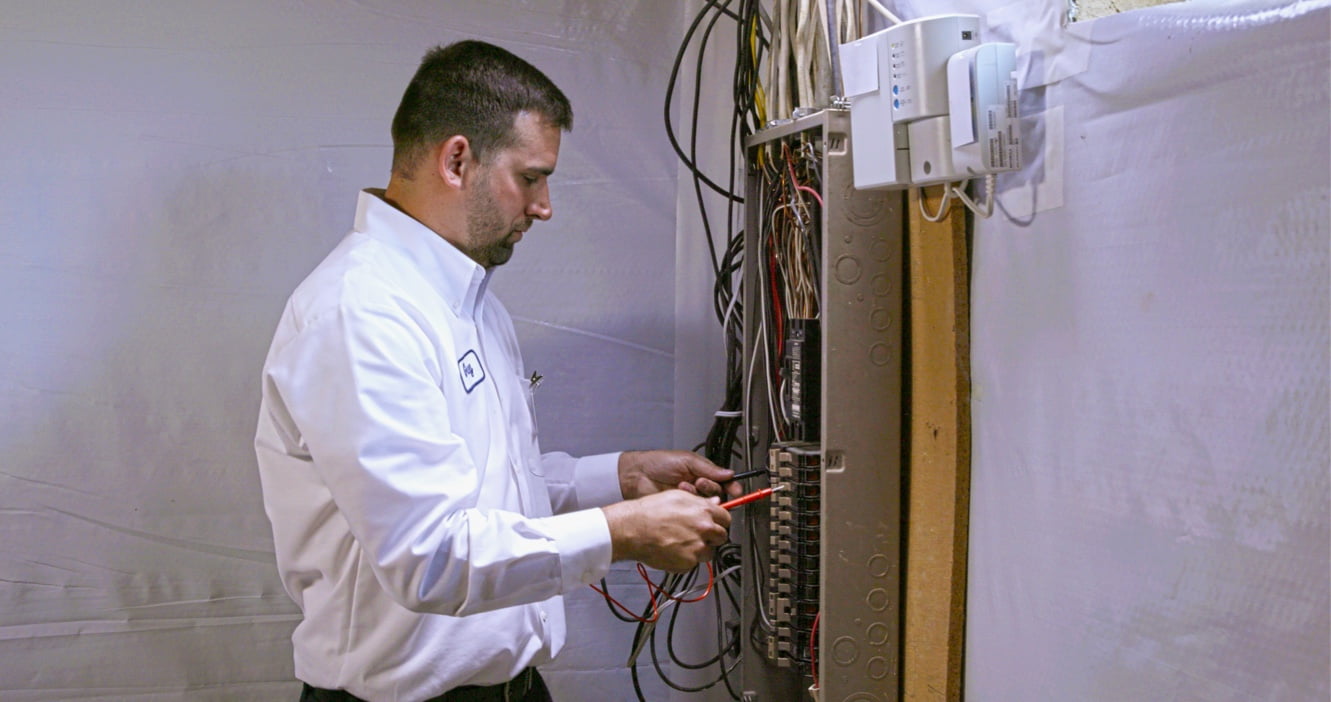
(1152, 443)
(170, 171)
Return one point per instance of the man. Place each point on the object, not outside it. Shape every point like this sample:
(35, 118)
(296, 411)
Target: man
(423, 535)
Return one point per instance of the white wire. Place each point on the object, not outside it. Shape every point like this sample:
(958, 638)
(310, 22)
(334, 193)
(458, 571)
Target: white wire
(847, 21)
(748, 386)
(885, 12)
(942, 207)
(767, 382)
(774, 86)
(700, 587)
(781, 393)
(725, 318)
(748, 456)
(823, 86)
(675, 597)
(780, 108)
(803, 62)
(765, 346)
(990, 184)
(857, 12)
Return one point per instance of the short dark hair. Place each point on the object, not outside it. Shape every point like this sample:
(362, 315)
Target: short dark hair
(476, 90)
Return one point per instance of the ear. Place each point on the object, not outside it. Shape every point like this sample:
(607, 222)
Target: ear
(455, 160)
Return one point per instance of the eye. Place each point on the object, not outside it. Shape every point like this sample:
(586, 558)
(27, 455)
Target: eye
(529, 179)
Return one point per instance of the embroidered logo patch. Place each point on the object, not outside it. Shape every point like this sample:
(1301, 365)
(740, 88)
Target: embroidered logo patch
(470, 370)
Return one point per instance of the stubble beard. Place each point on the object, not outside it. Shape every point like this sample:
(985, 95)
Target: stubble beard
(489, 235)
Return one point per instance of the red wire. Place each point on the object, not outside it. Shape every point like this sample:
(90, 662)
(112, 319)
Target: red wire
(652, 589)
(805, 188)
(813, 650)
(643, 572)
(776, 304)
(656, 614)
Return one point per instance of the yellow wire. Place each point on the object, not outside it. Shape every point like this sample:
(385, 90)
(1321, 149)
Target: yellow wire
(760, 96)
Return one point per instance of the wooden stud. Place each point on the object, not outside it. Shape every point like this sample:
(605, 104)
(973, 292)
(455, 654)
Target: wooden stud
(938, 500)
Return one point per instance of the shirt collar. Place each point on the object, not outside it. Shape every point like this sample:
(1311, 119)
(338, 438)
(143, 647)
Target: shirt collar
(459, 280)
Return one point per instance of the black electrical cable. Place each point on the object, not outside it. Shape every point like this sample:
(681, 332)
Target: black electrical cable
(621, 617)
(656, 662)
(637, 684)
(674, 657)
(720, 445)
(670, 91)
(693, 145)
(733, 646)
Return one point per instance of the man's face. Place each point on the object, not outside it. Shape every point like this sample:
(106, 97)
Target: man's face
(510, 191)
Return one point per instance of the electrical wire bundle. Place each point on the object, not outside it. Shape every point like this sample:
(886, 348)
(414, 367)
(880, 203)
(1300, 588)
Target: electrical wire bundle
(800, 69)
(677, 589)
(788, 278)
(781, 61)
(747, 115)
(791, 210)
(750, 36)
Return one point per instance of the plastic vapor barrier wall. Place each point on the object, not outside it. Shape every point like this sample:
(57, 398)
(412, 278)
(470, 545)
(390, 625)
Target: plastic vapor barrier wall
(1150, 352)
(171, 169)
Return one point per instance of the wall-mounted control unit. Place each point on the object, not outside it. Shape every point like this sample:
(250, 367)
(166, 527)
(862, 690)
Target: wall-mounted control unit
(929, 103)
(982, 99)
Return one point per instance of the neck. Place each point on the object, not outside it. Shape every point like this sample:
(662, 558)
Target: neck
(435, 210)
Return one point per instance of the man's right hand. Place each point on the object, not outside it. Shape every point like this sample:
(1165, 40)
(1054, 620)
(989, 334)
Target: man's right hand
(672, 530)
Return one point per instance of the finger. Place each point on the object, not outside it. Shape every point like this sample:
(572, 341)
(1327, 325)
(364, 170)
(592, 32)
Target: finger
(688, 487)
(734, 489)
(703, 468)
(719, 515)
(707, 487)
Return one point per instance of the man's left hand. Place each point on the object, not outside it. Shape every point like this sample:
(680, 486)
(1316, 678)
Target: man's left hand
(644, 473)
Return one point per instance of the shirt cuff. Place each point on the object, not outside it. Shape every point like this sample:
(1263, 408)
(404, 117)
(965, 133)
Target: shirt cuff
(583, 541)
(596, 480)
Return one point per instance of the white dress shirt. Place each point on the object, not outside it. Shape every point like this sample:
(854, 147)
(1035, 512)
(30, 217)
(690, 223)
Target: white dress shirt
(416, 524)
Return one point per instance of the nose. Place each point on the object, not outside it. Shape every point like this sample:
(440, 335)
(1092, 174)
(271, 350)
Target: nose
(539, 207)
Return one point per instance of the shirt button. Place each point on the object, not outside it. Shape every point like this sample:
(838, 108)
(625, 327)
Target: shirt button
(544, 616)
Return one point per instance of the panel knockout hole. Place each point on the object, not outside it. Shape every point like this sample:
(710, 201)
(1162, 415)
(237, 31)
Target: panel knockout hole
(845, 650)
(848, 270)
(881, 285)
(928, 168)
(881, 319)
(879, 354)
(879, 565)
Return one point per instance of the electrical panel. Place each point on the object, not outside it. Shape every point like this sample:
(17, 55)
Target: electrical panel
(823, 336)
(930, 103)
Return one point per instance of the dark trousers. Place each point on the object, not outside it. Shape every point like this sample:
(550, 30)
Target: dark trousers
(512, 691)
